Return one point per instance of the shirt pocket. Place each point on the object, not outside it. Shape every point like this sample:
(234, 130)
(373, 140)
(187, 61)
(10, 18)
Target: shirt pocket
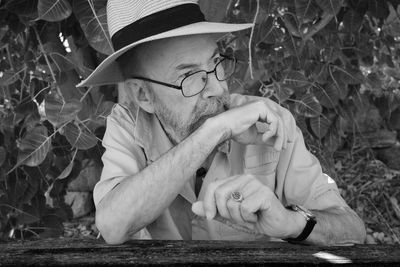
(262, 162)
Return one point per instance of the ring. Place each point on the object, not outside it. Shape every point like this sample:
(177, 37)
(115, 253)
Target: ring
(237, 196)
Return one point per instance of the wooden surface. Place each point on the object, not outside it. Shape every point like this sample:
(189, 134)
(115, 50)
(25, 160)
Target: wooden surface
(80, 252)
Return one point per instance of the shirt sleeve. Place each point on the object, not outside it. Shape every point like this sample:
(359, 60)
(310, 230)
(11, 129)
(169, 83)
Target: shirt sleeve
(122, 157)
(300, 179)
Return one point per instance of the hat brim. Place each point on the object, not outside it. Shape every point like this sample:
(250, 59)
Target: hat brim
(108, 72)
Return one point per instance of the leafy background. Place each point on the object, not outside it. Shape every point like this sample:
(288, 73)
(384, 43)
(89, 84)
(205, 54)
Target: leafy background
(333, 63)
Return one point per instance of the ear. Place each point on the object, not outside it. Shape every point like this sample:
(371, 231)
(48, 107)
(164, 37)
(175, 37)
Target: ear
(141, 94)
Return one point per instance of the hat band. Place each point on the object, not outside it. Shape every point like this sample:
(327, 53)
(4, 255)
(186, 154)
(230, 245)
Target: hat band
(156, 23)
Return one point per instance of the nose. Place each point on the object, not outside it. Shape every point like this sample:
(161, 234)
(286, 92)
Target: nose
(214, 87)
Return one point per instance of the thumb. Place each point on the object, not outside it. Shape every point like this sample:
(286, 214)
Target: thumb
(198, 209)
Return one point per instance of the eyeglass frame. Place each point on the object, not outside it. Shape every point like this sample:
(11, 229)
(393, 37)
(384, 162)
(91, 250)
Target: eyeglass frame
(180, 86)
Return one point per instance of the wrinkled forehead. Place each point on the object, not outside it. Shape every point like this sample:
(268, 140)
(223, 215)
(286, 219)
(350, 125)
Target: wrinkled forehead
(173, 51)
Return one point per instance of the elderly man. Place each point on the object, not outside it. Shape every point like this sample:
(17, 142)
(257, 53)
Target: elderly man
(185, 159)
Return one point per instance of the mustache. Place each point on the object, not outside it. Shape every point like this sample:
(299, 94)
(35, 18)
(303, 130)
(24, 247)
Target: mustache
(208, 109)
(213, 105)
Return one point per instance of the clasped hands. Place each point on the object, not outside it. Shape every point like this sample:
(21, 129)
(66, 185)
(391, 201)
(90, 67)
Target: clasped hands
(259, 210)
(257, 207)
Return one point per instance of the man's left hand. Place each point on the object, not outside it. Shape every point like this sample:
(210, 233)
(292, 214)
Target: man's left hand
(259, 210)
(250, 136)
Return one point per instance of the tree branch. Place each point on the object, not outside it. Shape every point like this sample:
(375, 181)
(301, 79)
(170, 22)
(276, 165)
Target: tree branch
(48, 63)
(251, 39)
(326, 18)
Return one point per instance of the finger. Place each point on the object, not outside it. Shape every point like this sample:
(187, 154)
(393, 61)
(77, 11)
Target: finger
(224, 191)
(222, 195)
(198, 208)
(285, 131)
(272, 128)
(280, 136)
(249, 190)
(285, 134)
(234, 211)
(253, 204)
(259, 139)
(210, 208)
(258, 131)
(237, 100)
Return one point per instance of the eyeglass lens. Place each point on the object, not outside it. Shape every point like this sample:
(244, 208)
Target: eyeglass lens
(195, 83)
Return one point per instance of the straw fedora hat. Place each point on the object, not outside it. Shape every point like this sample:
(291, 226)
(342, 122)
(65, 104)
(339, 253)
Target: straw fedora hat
(133, 22)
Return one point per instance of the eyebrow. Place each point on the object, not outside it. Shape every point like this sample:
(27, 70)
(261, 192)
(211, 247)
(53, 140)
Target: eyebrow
(191, 65)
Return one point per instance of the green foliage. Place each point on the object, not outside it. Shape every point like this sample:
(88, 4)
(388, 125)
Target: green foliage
(47, 125)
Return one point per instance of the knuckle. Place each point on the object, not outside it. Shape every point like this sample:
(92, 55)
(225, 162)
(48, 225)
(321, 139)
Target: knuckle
(249, 177)
(219, 194)
(245, 209)
(230, 204)
(254, 182)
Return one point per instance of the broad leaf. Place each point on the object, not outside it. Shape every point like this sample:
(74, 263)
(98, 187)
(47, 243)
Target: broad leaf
(83, 8)
(64, 174)
(306, 10)
(295, 79)
(352, 21)
(104, 110)
(28, 215)
(378, 8)
(34, 147)
(339, 84)
(78, 137)
(283, 93)
(302, 123)
(308, 106)
(31, 190)
(3, 155)
(62, 62)
(293, 45)
(58, 112)
(77, 58)
(327, 95)
(374, 82)
(51, 10)
(23, 7)
(332, 140)
(268, 33)
(26, 107)
(93, 20)
(41, 171)
(8, 77)
(330, 6)
(269, 5)
(320, 126)
(349, 75)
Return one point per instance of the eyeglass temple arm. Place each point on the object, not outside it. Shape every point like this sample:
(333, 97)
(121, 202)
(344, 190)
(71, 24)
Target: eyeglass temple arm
(158, 82)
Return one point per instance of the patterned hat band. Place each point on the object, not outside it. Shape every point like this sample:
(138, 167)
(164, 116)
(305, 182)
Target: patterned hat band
(156, 23)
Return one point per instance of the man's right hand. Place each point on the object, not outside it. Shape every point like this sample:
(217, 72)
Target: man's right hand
(240, 122)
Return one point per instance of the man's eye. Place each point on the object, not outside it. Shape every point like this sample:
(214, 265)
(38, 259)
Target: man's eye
(187, 74)
(217, 59)
(183, 76)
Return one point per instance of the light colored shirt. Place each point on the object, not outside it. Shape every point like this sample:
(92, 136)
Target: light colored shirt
(134, 139)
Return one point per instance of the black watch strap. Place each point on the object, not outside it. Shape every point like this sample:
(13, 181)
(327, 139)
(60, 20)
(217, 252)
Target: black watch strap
(311, 222)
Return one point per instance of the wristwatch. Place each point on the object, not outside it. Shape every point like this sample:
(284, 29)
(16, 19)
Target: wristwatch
(311, 222)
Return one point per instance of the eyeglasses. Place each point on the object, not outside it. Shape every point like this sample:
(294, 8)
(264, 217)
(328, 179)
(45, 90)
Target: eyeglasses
(195, 82)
